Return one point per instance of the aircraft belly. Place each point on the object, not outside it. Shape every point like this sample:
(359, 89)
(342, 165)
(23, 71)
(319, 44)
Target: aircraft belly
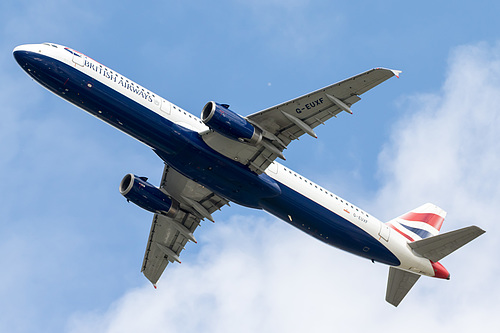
(323, 224)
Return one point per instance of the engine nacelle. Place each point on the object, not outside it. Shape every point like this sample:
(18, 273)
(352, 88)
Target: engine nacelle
(147, 196)
(230, 124)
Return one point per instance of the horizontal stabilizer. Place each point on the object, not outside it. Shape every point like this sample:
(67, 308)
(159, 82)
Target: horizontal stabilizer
(437, 247)
(399, 284)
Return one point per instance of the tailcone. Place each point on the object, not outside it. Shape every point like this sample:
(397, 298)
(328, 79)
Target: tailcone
(439, 271)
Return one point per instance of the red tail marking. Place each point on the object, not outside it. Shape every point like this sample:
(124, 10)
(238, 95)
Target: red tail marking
(432, 219)
(439, 271)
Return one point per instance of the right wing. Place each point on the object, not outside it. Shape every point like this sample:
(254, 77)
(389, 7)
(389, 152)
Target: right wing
(169, 235)
(283, 123)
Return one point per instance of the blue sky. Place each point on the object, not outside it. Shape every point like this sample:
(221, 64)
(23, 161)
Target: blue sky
(71, 247)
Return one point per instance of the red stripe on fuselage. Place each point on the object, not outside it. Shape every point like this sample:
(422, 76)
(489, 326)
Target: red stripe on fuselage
(432, 219)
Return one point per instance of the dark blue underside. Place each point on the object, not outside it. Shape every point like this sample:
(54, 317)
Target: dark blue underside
(323, 224)
(185, 151)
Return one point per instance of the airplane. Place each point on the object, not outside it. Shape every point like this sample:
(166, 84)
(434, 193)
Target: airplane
(223, 157)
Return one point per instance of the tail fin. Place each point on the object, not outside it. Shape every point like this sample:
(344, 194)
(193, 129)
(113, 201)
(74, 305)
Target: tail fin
(422, 222)
(421, 226)
(433, 248)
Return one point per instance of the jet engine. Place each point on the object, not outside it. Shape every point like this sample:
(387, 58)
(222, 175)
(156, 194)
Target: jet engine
(147, 196)
(230, 124)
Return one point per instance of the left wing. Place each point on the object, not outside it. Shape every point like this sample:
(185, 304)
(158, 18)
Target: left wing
(169, 235)
(286, 122)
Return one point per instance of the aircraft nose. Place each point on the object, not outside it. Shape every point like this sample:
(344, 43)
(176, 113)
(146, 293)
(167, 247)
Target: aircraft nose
(22, 54)
(29, 58)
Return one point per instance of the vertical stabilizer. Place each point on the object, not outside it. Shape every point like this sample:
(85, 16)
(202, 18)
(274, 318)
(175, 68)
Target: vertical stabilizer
(399, 284)
(422, 222)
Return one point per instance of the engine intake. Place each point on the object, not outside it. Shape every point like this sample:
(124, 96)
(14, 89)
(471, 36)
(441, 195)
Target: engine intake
(147, 196)
(230, 124)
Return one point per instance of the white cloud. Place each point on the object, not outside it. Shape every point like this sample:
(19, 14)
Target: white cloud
(251, 275)
(447, 149)
(261, 275)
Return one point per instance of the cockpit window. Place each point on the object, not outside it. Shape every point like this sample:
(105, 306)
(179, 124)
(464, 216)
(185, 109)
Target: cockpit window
(73, 53)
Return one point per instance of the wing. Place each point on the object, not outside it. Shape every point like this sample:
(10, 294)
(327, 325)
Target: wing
(283, 123)
(169, 235)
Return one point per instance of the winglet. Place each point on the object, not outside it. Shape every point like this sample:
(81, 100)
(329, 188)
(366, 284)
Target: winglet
(394, 71)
